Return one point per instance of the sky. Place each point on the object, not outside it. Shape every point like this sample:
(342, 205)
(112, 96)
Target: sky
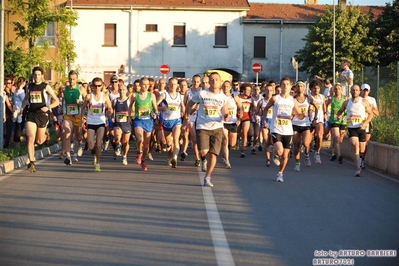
(323, 2)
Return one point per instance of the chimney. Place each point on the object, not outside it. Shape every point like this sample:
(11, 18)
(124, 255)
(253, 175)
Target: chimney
(311, 2)
(342, 4)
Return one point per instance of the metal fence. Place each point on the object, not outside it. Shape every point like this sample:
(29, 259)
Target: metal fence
(384, 83)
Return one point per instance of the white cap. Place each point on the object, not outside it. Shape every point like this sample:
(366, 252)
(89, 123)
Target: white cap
(365, 87)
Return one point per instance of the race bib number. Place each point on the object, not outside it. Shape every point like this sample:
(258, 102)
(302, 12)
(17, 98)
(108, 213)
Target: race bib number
(211, 111)
(172, 108)
(246, 107)
(72, 109)
(121, 117)
(232, 111)
(282, 121)
(144, 113)
(96, 109)
(35, 97)
(355, 120)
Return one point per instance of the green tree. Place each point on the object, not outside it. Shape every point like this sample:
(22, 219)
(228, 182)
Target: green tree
(35, 17)
(352, 42)
(385, 30)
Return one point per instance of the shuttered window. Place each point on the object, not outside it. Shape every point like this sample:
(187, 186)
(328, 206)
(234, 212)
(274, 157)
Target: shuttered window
(179, 35)
(109, 34)
(259, 47)
(221, 35)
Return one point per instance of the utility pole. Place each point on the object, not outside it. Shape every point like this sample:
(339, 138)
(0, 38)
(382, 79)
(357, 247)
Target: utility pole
(1, 72)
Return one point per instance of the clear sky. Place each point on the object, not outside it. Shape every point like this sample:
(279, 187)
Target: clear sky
(323, 2)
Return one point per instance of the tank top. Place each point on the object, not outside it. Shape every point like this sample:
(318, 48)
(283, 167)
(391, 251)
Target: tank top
(269, 111)
(70, 106)
(246, 105)
(37, 96)
(232, 107)
(113, 96)
(191, 93)
(335, 106)
(173, 107)
(356, 113)
(282, 111)
(96, 112)
(320, 114)
(143, 108)
(304, 106)
(121, 110)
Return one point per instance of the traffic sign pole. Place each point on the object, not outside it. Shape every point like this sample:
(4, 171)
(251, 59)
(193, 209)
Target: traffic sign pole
(256, 68)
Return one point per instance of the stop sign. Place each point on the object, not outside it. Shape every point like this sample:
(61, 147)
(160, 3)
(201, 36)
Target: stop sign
(256, 67)
(164, 69)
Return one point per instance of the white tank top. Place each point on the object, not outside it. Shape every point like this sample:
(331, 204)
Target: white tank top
(191, 93)
(270, 111)
(282, 111)
(320, 114)
(304, 106)
(232, 106)
(356, 113)
(96, 111)
(173, 111)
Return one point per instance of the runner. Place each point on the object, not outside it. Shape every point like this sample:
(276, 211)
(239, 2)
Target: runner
(72, 101)
(171, 113)
(284, 106)
(94, 107)
(248, 110)
(359, 117)
(143, 107)
(266, 120)
(212, 110)
(254, 129)
(122, 127)
(37, 116)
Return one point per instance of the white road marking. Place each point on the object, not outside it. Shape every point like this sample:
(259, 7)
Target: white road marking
(220, 244)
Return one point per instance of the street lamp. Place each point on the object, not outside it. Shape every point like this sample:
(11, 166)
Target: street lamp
(334, 43)
(295, 66)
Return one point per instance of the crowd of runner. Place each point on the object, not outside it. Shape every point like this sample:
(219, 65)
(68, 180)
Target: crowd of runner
(212, 116)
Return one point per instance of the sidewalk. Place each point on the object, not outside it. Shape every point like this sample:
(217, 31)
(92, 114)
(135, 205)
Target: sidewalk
(21, 161)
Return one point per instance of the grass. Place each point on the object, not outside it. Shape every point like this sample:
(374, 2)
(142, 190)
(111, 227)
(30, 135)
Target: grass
(14, 152)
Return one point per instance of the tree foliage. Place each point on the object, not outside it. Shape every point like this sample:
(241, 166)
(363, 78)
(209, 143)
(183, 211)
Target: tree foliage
(352, 42)
(385, 30)
(34, 18)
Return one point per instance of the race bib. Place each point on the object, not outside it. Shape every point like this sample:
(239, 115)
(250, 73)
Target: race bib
(121, 117)
(96, 109)
(35, 97)
(211, 111)
(72, 109)
(144, 113)
(172, 108)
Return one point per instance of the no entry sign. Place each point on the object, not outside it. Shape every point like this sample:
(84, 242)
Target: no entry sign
(164, 69)
(256, 67)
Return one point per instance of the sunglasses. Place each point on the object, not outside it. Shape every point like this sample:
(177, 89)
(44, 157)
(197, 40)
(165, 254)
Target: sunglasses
(98, 86)
(115, 81)
(235, 84)
(8, 82)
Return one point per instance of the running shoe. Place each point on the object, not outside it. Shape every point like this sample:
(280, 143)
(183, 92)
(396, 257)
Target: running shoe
(166, 148)
(317, 158)
(118, 150)
(138, 158)
(207, 182)
(242, 155)
(276, 159)
(75, 158)
(124, 160)
(333, 157)
(173, 163)
(297, 167)
(158, 149)
(68, 161)
(197, 163)
(106, 145)
(223, 160)
(340, 159)
(97, 167)
(143, 166)
(260, 148)
(183, 156)
(362, 163)
(203, 165)
(149, 156)
(358, 172)
(80, 150)
(280, 177)
(32, 167)
(169, 162)
(268, 163)
(227, 164)
(307, 160)
(253, 151)
(94, 160)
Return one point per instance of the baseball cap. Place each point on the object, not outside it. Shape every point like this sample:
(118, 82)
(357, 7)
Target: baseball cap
(114, 78)
(365, 87)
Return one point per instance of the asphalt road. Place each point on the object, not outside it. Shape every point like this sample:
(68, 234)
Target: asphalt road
(70, 215)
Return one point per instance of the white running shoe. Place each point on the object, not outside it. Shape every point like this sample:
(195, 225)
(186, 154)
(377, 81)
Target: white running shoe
(317, 158)
(124, 160)
(207, 182)
(280, 177)
(227, 164)
(204, 165)
(358, 172)
(118, 150)
(307, 160)
(297, 167)
(75, 158)
(276, 159)
(80, 150)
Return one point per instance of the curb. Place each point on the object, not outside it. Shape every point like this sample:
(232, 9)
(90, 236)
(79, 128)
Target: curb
(16, 163)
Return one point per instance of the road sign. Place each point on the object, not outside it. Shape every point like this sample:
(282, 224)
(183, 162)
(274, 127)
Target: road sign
(164, 69)
(256, 67)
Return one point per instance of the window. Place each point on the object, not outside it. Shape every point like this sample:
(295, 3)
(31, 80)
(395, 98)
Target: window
(109, 34)
(47, 74)
(179, 74)
(221, 35)
(179, 35)
(48, 36)
(151, 27)
(259, 47)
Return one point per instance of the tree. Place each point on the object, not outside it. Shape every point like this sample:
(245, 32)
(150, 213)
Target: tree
(385, 30)
(29, 48)
(352, 42)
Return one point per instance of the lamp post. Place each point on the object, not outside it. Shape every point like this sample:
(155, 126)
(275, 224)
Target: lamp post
(333, 42)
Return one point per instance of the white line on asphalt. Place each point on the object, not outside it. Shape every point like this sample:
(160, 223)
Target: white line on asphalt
(22, 168)
(220, 244)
